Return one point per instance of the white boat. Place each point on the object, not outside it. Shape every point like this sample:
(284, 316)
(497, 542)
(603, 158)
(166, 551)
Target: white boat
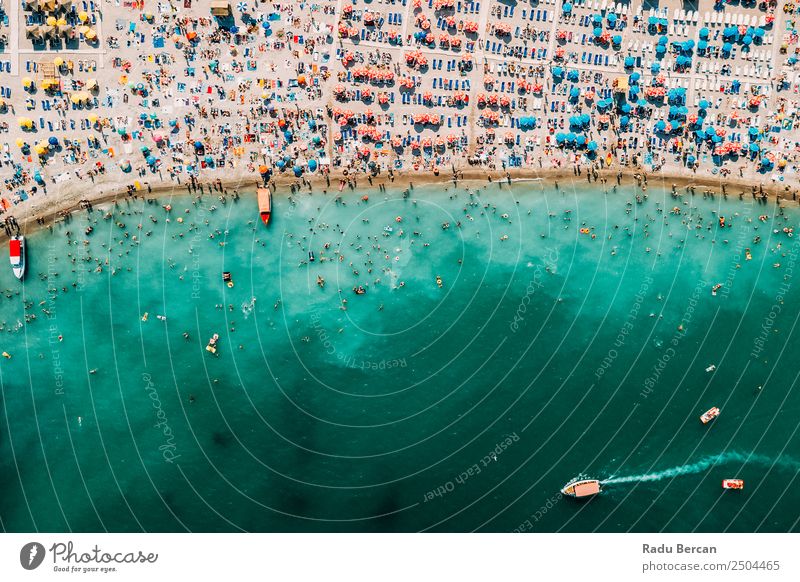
(16, 248)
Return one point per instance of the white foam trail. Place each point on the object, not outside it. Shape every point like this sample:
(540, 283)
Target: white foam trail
(705, 463)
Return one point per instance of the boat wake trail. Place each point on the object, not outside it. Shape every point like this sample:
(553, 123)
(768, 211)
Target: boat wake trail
(782, 462)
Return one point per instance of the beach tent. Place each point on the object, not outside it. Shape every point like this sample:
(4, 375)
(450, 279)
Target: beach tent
(220, 8)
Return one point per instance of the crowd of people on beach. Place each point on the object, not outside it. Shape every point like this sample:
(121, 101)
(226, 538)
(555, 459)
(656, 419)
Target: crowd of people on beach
(305, 91)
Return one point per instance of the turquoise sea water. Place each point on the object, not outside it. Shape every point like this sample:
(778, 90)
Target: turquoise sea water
(546, 354)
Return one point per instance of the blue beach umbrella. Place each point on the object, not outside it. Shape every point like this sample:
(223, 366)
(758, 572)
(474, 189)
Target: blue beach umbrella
(661, 49)
(558, 72)
(616, 39)
(560, 137)
(581, 140)
(591, 146)
(634, 90)
(660, 125)
(704, 32)
(704, 104)
(652, 20)
(688, 46)
(567, 8)
(625, 108)
(288, 135)
(52, 140)
(766, 162)
(690, 160)
(573, 76)
(634, 77)
(312, 165)
(642, 103)
(702, 45)
(747, 40)
(598, 32)
(281, 164)
(571, 137)
(151, 160)
(624, 120)
(144, 149)
(655, 68)
(663, 40)
(629, 62)
(727, 47)
(612, 18)
(574, 93)
(297, 171)
(585, 119)
(597, 19)
(754, 147)
(752, 132)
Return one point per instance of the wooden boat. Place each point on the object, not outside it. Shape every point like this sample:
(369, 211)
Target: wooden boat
(582, 488)
(265, 204)
(709, 415)
(16, 252)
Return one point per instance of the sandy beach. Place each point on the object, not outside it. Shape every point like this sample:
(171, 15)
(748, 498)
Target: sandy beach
(102, 100)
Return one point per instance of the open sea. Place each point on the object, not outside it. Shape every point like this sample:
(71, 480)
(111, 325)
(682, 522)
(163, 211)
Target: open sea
(571, 333)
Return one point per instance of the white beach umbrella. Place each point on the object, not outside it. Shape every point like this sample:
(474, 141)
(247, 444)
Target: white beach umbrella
(241, 6)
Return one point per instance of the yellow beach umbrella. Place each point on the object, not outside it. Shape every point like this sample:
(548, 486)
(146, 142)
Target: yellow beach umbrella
(58, 61)
(123, 79)
(51, 21)
(2, 103)
(76, 98)
(20, 142)
(25, 122)
(45, 84)
(82, 16)
(83, 29)
(91, 84)
(90, 34)
(27, 82)
(61, 21)
(92, 118)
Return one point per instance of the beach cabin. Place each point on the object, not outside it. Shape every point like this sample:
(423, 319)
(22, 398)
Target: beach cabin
(220, 8)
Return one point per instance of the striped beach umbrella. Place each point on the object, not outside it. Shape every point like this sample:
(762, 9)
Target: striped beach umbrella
(241, 6)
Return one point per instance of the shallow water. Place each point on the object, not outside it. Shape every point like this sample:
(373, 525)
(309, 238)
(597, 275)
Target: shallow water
(545, 355)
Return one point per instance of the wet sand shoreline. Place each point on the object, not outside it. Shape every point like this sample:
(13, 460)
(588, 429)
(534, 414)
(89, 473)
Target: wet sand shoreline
(281, 185)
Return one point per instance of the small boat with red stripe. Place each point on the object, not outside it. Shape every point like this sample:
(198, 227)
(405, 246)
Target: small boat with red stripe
(16, 251)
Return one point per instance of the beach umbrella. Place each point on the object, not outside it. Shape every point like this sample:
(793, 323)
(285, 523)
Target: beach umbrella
(634, 78)
(727, 47)
(629, 62)
(573, 76)
(753, 132)
(704, 33)
(266, 25)
(625, 108)
(312, 165)
(58, 61)
(581, 140)
(574, 93)
(634, 90)
(624, 120)
(83, 16)
(597, 19)
(297, 171)
(558, 72)
(585, 119)
(702, 45)
(209, 160)
(281, 164)
(612, 18)
(758, 32)
(687, 46)
(642, 103)
(144, 149)
(660, 125)
(53, 141)
(655, 68)
(704, 104)
(25, 122)
(90, 34)
(288, 135)
(27, 82)
(598, 32)
(21, 143)
(747, 40)
(572, 137)
(766, 162)
(591, 146)
(616, 39)
(567, 7)
(754, 147)
(663, 40)
(560, 137)
(661, 49)
(151, 160)
(690, 160)
(241, 6)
